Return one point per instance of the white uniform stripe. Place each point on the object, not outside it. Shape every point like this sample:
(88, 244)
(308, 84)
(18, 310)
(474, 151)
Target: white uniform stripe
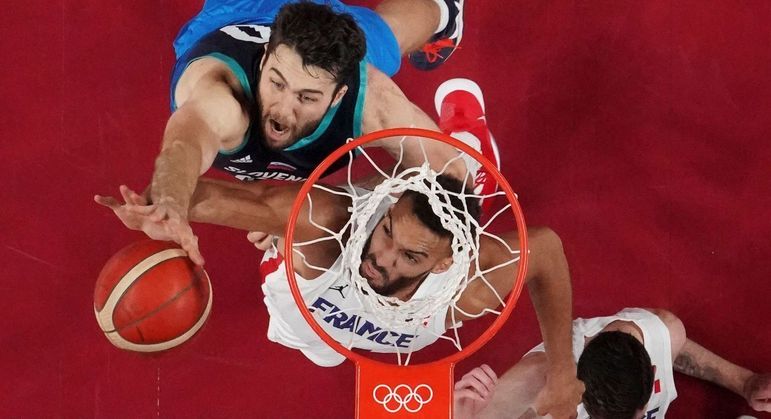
(104, 317)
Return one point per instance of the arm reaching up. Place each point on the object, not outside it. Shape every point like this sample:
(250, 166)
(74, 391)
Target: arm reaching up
(548, 283)
(255, 206)
(210, 117)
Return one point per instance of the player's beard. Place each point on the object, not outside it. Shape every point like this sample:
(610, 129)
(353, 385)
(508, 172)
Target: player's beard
(388, 288)
(296, 133)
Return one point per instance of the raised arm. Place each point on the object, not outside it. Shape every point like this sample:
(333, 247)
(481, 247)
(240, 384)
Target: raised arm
(386, 106)
(548, 283)
(248, 206)
(262, 207)
(210, 117)
(265, 207)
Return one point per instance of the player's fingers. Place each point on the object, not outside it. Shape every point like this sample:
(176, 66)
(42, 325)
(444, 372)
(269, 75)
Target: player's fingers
(462, 383)
(471, 381)
(481, 375)
(465, 380)
(761, 405)
(134, 198)
(256, 236)
(468, 394)
(262, 241)
(187, 240)
(159, 214)
(196, 256)
(107, 201)
(190, 244)
(490, 373)
(142, 209)
(125, 194)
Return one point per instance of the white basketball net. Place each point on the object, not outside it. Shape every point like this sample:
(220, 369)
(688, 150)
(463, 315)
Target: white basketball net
(392, 312)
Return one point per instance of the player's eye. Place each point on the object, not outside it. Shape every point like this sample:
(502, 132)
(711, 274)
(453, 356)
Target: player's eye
(308, 99)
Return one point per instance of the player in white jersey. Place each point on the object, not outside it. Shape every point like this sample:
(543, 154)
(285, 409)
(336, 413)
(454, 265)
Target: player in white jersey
(341, 314)
(627, 362)
(405, 255)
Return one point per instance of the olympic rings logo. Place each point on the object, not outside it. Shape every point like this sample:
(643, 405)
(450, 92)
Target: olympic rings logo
(403, 397)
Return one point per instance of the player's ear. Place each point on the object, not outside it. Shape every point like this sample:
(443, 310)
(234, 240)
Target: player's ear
(339, 95)
(442, 266)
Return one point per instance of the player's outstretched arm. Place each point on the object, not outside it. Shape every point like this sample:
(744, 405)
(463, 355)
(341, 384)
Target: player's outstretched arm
(255, 206)
(264, 207)
(692, 359)
(386, 106)
(549, 287)
(209, 118)
(548, 283)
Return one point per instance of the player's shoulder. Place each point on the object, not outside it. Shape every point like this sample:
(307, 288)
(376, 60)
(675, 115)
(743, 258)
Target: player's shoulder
(205, 74)
(381, 95)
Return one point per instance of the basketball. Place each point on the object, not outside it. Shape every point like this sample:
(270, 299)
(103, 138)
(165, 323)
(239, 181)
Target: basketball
(151, 297)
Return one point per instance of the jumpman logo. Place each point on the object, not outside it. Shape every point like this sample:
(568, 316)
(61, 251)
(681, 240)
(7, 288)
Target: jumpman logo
(339, 289)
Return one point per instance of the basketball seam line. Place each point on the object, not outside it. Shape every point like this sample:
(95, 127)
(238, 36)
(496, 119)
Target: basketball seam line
(160, 307)
(131, 285)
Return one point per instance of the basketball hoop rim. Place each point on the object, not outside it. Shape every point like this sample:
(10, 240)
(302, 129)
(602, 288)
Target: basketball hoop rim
(516, 290)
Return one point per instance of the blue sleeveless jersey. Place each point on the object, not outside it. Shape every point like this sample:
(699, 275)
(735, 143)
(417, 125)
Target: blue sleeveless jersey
(241, 48)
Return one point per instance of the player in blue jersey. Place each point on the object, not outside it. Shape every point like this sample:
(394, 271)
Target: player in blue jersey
(267, 89)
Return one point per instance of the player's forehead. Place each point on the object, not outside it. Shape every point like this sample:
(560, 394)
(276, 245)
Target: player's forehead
(409, 232)
(286, 64)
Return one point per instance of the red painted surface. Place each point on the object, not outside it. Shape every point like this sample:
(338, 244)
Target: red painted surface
(637, 130)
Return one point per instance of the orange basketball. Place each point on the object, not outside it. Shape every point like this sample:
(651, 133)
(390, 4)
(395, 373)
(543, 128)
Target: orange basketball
(151, 297)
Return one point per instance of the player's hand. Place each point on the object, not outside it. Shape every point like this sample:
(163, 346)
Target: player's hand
(474, 391)
(757, 391)
(131, 219)
(158, 221)
(260, 240)
(174, 217)
(560, 396)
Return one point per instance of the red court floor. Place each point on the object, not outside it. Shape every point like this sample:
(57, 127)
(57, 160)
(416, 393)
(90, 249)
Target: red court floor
(638, 130)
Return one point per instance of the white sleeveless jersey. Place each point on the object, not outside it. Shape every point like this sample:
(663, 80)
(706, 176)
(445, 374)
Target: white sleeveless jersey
(333, 300)
(657, 343)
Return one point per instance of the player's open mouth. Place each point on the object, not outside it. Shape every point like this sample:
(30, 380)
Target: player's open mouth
(277, 130)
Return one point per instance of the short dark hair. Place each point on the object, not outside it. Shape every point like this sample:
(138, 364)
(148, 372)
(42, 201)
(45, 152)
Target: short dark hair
(616, 370)
(322, 37)
(422, 209)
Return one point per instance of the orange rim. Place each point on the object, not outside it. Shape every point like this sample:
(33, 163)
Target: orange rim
(480, 341)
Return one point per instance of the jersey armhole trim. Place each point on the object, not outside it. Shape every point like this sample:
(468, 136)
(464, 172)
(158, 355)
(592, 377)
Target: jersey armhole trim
(357, 113)
(243, 80)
